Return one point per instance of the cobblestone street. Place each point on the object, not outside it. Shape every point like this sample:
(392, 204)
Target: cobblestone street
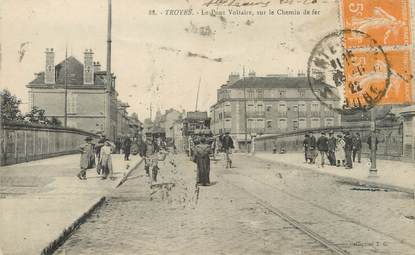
(257, 207)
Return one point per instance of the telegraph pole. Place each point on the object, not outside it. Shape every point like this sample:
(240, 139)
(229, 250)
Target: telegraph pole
(109, 76)
(66, 89)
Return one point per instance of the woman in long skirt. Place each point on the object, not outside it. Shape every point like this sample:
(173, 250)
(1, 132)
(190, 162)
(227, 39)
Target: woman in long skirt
(201, 158)
(105, 159)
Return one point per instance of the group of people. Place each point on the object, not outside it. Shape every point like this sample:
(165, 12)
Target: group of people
(96, 155)
(341, 150)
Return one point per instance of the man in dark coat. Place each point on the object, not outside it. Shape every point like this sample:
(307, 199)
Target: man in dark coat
(332, 149)
(227, 145)
(201, 158)
(126, 146)
(348, 149)
(306, 145)
(87, 157)
(357, 147)
(313, 150)
(323, 146)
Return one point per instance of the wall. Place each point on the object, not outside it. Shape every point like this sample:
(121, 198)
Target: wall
(390, 146)
(23, 142)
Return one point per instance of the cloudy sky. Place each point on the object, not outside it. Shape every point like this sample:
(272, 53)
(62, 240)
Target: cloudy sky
(158, 59)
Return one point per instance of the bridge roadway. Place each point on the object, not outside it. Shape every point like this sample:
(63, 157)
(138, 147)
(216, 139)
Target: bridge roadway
(257, 207)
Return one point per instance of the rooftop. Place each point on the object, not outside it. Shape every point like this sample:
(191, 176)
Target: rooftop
(274, 82)
(75, 74)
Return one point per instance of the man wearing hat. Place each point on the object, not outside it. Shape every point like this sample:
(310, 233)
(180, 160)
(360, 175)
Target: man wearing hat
(87, 157)
(323, 147)
(348, 148)
(332, 148)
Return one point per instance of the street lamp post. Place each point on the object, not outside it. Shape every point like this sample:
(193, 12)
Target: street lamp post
(373, 171)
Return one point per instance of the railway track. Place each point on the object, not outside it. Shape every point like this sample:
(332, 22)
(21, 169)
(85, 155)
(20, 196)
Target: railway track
(334, 246)
(334, 249)
(348, 219)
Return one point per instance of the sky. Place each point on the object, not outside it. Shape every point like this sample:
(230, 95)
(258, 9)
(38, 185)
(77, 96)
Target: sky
(158, 59)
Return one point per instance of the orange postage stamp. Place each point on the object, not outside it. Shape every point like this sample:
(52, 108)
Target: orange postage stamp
(384, 24)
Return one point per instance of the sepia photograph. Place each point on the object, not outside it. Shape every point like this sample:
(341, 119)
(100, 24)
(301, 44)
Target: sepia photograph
(207, 127)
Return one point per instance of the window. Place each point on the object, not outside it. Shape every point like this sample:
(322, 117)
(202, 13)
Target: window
(329, 122)
(251, 93)
(72, 103)
(302, 107)
(260, 123)
(269, 123)
(220, 115)
(260, 108)
(228, 123)
(283, 93)
(228, 107)
(315, 107)
(282, 107)
(282, 124)
(250, 107)
(301, 92)
(295, 124)
(260, 93)
(269, 107)
(302, 123)
(295, 108)
(251, 124)
(315, 123)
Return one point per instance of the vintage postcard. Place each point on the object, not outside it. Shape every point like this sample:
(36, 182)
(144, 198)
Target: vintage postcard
(207, 127)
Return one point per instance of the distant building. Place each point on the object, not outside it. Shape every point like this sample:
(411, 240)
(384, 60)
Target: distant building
(274, 104)
(167, 120)
(86, 86)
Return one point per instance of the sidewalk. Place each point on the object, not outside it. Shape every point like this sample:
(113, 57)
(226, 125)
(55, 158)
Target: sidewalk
(395, 175)
(40, 201)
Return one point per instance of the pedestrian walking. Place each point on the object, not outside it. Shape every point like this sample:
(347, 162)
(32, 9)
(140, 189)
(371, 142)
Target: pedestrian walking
(87, 157)
(98, 146)
(357, 148)
(340, 153)
(332, 148)
(227, 145)
(126, 146)
(323, 147)
(313, 148)
(106, 160)
(150, 153)
(348, 149)
(202, 160)
(306, 145)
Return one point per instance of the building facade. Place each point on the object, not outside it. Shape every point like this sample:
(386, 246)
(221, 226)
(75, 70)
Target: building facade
(85, 87)
(270, 105)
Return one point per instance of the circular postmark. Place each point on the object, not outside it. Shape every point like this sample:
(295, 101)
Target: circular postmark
(348, 79)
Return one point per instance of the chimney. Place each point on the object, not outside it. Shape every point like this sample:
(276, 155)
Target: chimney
(233, 77)
(88, 67)
(50, 66)
(97, 67)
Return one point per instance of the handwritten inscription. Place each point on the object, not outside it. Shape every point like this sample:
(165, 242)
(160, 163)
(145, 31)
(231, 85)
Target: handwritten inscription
(236, 3)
